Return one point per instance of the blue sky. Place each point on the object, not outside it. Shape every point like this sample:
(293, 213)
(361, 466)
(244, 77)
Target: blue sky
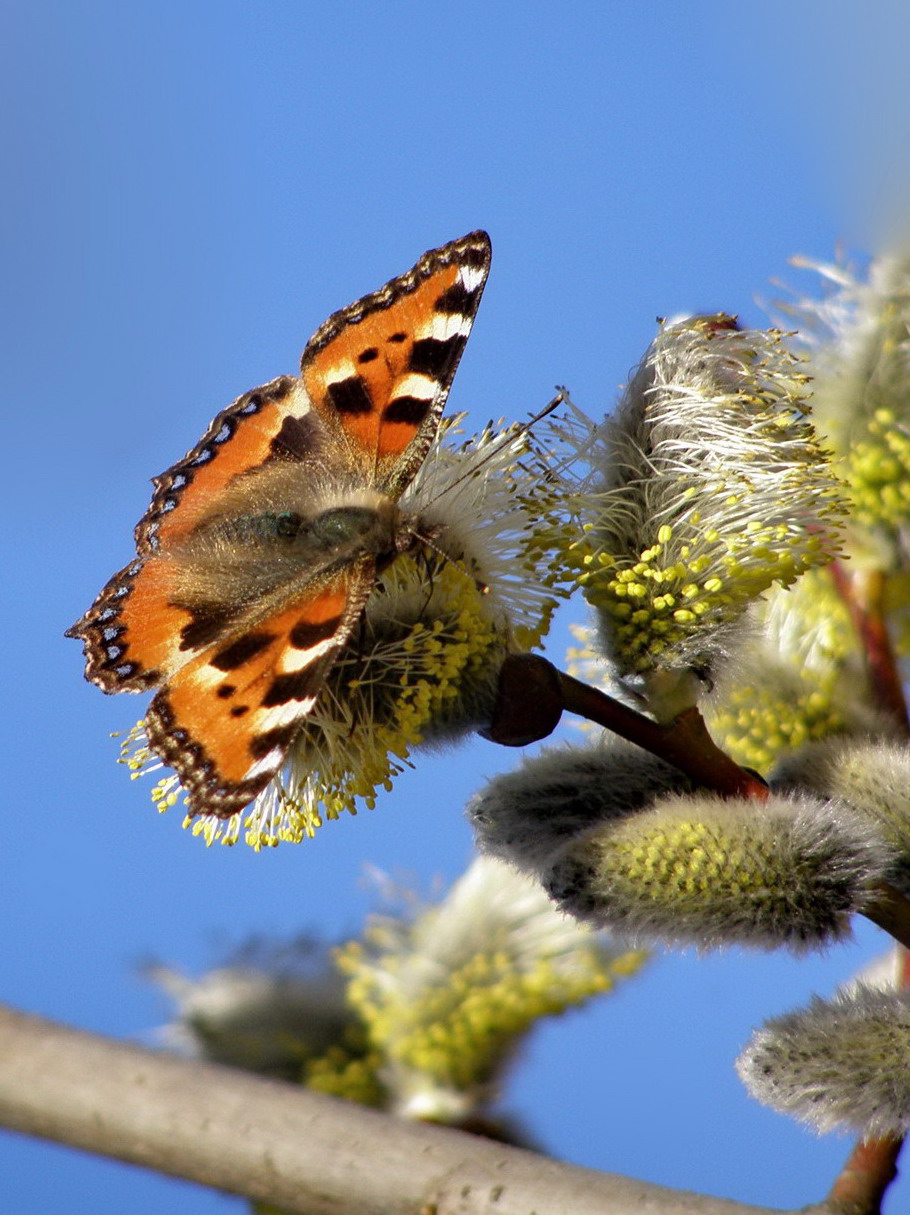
(191, 189)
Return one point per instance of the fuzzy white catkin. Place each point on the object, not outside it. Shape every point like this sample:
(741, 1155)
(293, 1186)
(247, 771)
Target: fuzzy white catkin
(708, 486)
(529, 815)
(871, 776)
(704, 870)
(842, 1064)
(262, 1015)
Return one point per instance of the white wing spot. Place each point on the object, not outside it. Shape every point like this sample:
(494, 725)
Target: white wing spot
(269, 763)
(296, 660)
(419, 386)
(471, 277)
(344, 371)
(442, 325)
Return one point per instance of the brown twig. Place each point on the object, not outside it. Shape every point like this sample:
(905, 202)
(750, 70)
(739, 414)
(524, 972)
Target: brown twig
(862, 1182)
(684, 742)
(863, 595)
(533, 694)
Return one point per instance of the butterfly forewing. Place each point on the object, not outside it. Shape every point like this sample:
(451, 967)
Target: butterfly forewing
(380, 370)
(273, 422)
(132, 632)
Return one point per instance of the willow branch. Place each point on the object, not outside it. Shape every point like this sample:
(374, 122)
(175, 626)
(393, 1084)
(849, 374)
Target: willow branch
(279, 1144)
(533, 694)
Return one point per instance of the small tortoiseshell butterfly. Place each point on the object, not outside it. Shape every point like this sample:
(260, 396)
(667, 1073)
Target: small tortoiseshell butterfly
(261, 546)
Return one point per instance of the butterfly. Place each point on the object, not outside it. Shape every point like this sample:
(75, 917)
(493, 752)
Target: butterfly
(261, 546)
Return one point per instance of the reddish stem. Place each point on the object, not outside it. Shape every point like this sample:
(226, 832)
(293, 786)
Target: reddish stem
(684, 742)
(862, 1182)
(863, 594)
(533, 695)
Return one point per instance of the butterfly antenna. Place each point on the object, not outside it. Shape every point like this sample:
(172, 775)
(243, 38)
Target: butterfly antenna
(428, 542)
(509, 436)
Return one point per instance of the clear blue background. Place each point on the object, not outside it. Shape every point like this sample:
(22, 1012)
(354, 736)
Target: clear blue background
(190, 188)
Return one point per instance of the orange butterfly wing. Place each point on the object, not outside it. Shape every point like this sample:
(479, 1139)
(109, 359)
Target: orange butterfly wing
(380, 370)
(224, 723)
(133, 633)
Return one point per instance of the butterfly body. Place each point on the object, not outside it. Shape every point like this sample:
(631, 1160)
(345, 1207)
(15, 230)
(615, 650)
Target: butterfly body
(261, 546)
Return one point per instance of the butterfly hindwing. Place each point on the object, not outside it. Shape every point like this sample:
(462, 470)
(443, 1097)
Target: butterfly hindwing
(226, 720)
(129, 632)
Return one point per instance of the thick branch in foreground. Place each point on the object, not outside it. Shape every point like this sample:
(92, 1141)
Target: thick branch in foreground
(276, 1143)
